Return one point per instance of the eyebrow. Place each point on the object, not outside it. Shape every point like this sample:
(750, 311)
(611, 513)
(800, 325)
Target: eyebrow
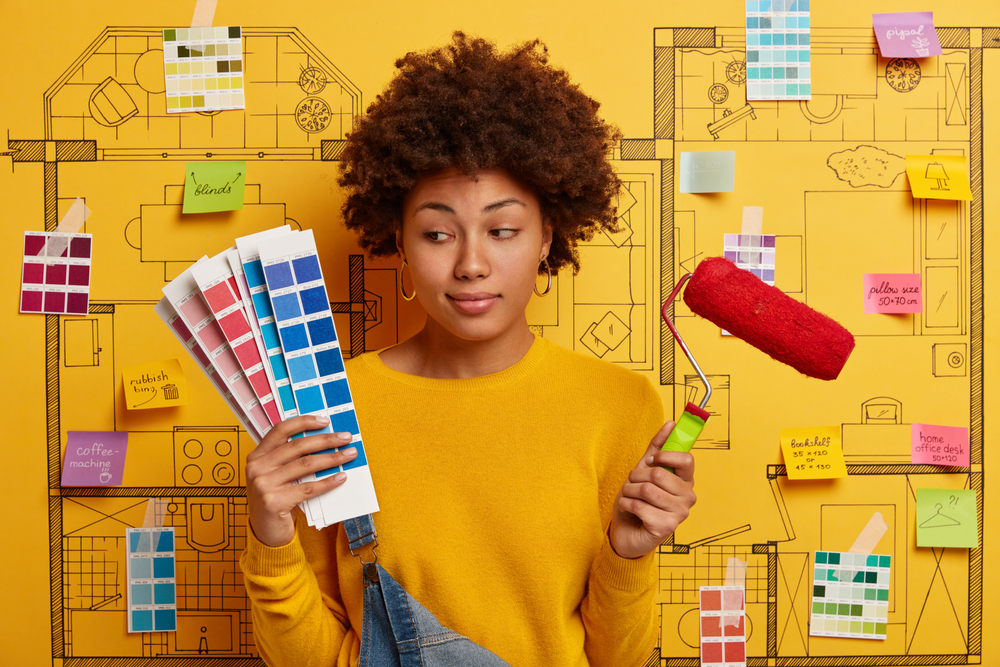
(489, 208)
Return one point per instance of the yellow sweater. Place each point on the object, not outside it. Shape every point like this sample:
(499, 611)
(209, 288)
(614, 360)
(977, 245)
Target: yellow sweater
(495, 496)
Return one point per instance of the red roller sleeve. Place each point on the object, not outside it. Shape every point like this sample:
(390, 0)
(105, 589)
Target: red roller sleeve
(764, 316)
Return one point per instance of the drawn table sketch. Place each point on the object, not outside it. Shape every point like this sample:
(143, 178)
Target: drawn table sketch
(829, 174)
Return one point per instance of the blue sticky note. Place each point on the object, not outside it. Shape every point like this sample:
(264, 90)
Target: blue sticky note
(708, 171)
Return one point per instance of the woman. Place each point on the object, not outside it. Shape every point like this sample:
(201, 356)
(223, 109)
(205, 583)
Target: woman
(522, 490)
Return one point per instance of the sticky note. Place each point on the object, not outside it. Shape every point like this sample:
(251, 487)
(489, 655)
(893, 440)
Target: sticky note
(708, 171)
(906, 35)
(938, 176)
(94, 458)
(213, 186)
(157, 385)
(813, 453)
(947, 518)
(940, 445)
(892, 293)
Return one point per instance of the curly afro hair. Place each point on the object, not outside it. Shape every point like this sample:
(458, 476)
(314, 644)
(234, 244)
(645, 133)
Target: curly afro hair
(468, 106)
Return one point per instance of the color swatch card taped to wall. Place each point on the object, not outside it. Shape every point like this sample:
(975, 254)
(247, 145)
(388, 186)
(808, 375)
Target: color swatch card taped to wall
(55, 273)
(152, 583)
(203, 69)
(312, 352)
(723, 626)
(850, 595)
(778, 50)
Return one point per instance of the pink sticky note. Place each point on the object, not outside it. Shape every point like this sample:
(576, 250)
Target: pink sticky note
(940, 445)
(94, 458)
(906, 35)
(893, 293)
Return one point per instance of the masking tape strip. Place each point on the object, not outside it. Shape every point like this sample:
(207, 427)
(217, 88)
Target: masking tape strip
(71, 223)
(155, 511)
(867, 540)
(753, 220)
(736, 575)
(204, 14)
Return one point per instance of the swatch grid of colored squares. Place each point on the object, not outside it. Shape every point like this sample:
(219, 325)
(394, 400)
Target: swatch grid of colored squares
(722, 618)
(850, 595)
(203, 69)
(269, 333)
(309, 342)
(55, 273)
(152, 583)
(778, 50)
(752, 252)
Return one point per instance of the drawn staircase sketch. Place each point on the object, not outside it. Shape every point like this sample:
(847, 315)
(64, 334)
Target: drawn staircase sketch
(829, 173)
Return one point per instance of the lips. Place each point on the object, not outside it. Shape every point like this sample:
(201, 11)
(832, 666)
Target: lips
(473, 302)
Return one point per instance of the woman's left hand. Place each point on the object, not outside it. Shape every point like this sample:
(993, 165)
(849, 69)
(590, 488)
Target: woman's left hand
(653, 501)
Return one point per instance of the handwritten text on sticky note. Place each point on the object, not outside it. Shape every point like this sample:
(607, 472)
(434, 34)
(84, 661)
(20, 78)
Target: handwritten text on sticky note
(708, 171)
(157, 385)
(893, 293)
(94, 458)
(213, 186)
(938, 177)
(940, 445)
(813, 453)
(947, 518)
(906, 35)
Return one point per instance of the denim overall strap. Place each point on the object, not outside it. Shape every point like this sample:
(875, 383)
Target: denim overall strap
(396, 630)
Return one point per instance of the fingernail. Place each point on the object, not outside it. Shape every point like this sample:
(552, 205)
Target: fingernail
(322, 420)
(346, 437)
(350, 452)
(340, 477)
(649, 460)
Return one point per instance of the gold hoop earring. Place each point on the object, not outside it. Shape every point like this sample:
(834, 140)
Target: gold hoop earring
(548, 285)
(401, 290)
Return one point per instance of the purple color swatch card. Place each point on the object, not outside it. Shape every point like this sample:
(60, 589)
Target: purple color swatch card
(94, 458)
(906, 35)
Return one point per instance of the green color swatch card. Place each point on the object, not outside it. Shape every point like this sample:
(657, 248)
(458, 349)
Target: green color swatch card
(947, 518)
(708, 171)
(214, 186)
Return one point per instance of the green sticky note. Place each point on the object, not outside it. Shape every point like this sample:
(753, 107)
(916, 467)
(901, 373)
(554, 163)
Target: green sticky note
(947, 518)
(708, 171)
(214, 186)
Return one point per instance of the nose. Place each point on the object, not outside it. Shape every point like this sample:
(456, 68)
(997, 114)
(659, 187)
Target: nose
(472, 261)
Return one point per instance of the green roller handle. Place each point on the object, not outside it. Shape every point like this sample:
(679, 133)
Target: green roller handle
(686, 431)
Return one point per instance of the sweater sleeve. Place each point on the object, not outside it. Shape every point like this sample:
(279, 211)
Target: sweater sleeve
(619, 611)
(294, 623)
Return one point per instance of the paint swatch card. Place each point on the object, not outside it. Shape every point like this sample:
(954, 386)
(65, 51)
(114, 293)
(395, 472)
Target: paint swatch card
(55, 273)
(707, 171)
(160, 384)
(850, 595)
(751, 252)
(203, 69)
(778, 50)
(892, 293)
(213, 186)
(947, 518)
(813, 453)
(723, 626)
(939, 177)
(906, 35)
(939, 445)
(315, 364)
(94, 458)
(152, 583)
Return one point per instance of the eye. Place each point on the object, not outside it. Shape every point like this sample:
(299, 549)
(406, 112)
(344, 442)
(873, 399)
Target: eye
(435, 236)
(504, 233)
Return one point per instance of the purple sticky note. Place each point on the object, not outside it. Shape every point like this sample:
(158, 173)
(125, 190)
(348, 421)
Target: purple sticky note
(906, 35)
(94, 458)
(940, 445)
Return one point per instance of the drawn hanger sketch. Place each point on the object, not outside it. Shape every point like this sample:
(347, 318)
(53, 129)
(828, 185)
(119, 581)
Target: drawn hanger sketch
(940, 519)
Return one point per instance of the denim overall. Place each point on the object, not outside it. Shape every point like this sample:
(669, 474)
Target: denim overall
(398, 630)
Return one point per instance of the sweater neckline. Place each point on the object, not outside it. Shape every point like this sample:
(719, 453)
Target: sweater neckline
(518, 371)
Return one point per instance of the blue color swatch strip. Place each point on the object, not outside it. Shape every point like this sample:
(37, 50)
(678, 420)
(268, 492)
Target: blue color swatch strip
(152, 583)
(778, 50)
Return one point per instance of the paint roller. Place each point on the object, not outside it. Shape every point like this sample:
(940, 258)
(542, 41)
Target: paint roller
(763, 316)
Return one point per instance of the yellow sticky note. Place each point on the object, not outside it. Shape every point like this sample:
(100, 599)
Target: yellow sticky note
(813, 453)
(938, 176)
(157, 385)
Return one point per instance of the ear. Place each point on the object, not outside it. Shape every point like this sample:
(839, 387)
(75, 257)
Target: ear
(546, 241)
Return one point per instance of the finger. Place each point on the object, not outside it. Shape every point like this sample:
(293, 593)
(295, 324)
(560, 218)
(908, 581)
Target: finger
(681, 462)
(655, 444)
(299, 447)
(284, 430)
(310, 464)
(657, 522)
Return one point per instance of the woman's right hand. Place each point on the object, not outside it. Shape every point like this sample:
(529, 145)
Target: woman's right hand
(277, 462)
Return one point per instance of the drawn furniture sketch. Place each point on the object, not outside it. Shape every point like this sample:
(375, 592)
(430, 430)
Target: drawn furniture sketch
(847, 192)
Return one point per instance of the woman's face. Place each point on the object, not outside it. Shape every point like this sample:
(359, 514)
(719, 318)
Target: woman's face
(473, 250)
